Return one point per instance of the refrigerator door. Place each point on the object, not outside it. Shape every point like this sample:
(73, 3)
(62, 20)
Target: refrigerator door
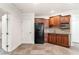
(39, 33)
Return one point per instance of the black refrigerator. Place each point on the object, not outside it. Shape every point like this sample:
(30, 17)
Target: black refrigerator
(39, 33)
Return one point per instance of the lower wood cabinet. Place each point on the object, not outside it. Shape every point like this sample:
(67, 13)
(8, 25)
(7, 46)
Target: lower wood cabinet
(59, 39)
(65, 40)
(52, 38)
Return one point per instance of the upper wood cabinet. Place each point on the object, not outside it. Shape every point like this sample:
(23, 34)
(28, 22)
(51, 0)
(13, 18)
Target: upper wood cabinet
(51, 22)
(54, 21)
(65, 19)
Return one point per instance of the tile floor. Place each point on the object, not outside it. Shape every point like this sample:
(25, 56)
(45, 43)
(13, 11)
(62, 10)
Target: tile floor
(45, 49)
(42, 49)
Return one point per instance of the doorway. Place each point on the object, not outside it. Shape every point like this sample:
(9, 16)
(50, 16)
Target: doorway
(3, 30)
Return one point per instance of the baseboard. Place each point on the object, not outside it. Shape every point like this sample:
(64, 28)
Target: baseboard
(11, 49)
(75, 44)
(27, 42)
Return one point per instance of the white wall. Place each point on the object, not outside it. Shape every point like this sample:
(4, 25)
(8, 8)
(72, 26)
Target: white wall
(15, 35)
(75, 26)
(28, 28)
(46, 17)
(15, 28)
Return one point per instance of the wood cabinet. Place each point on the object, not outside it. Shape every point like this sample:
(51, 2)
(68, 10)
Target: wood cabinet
(49, 38)
(59, 39)
(54, 21)
(51, 22)
(65, 40)
(65, 19)
(45, 37)
(52, 38)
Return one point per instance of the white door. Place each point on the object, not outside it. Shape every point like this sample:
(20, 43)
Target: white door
(28, 29)
(5, 32)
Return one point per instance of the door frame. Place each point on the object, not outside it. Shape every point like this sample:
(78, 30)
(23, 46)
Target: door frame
(5, 13)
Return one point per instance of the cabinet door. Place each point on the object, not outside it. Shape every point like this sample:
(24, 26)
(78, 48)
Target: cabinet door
(59, 39)
(62, 19)
(54, 38)
(49, 38)
(51, 22)
(57, 20)
(65, 19)
(54, 21)
(65, 40)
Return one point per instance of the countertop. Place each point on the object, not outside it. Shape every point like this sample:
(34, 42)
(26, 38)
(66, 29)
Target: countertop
(57, 31)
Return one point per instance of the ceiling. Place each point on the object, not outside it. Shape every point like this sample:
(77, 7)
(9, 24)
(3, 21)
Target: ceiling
(46, 8)
(2, 12)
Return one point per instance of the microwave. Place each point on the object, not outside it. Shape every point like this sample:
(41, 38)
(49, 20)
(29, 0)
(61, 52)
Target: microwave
(64, 26)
